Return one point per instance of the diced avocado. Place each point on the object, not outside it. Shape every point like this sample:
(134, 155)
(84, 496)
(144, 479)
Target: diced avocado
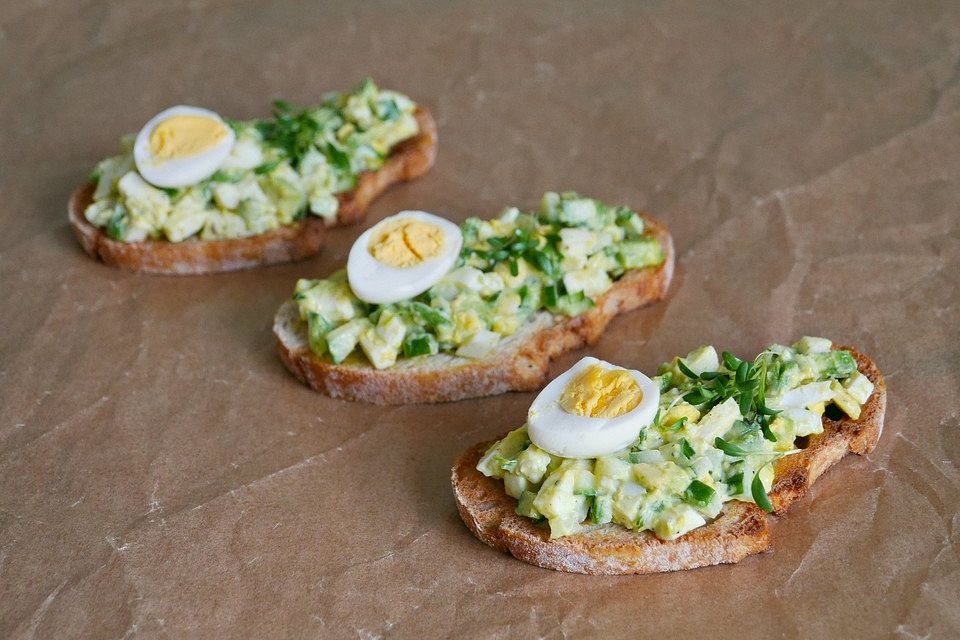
(631, 222)
(550, 204)
(186, 218)
(676, 521)
(572, 304)
(587, 281)
(381, 344)
(611, 467)
(283, 187)
(331, 298)
(515, 485)
(557, 501)
(427, 315)
(532, 463)
(525, 506)
(640, 253)
(260, 215)
(117, 224)
(601, 510)
(578, 212)
(343, 340)
(805, 423)
(317, 329)
(479, 345)
(584, 482)
(788, 375)
(419, 344)
(803, 396)
(858, 386)
(716, 422)
(845, 400)
(627, 502)
(663, 476)
(143, 200)
(836, 364)
(508, 448)
(680, 411)
(811, 345)
(100, 212)
(646, 456)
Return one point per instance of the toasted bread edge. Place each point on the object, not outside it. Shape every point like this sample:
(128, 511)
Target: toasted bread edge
(741, 529)
(524, 367)
(410, 159)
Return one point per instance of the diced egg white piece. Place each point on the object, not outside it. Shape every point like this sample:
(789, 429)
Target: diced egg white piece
(479, 345)
(591, 282)
(717, 421)
(859, 386)
(803, 396)
(677, 521)
(245, 155)
(805, 422)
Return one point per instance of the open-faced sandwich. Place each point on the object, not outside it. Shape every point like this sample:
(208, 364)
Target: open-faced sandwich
(618, 473)
(194, 193)
(427, 311)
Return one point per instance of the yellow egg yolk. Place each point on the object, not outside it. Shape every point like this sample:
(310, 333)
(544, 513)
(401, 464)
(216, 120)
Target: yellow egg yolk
(406, 242)
(185, 136)
(601, 393)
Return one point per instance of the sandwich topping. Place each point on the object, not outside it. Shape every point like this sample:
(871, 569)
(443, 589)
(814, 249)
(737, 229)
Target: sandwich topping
(417, 285)
(718, 425)
(189, 174)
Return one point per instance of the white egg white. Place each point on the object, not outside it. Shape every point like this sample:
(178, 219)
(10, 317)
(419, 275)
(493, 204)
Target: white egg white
(378, 283)
(180, 172)
(571, 436)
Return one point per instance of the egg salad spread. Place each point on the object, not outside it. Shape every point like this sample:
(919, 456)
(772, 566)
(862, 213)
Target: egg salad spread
(508, 269)
(721, 423)
(277, 171)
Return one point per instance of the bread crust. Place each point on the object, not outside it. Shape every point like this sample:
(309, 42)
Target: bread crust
(739, 531)
(521, 364)
(408, 160)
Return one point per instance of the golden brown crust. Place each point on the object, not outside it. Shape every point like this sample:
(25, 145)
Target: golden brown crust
(488, 512)
(740, 530)
(409, 159)
(796, 473)
(523, 368)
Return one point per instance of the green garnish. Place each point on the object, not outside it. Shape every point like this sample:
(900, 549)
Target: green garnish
(676, 425)
(730, 449)
(699, 493)
(759, 493)
(267, 167)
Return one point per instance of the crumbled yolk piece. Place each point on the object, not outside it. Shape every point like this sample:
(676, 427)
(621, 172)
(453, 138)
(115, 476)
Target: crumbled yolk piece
(406, 243)
(597, 392)
(185, 136)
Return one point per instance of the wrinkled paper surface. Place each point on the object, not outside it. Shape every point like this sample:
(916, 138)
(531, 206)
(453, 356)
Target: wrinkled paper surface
(161, 475)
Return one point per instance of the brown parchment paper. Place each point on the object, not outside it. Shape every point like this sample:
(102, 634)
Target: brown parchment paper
(161, 475)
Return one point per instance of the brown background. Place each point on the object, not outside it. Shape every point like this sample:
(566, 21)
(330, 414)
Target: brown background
(161, 475)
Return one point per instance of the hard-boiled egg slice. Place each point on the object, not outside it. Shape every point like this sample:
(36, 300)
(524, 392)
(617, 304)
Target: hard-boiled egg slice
(402, 256)
(181, 146)
(592, 410)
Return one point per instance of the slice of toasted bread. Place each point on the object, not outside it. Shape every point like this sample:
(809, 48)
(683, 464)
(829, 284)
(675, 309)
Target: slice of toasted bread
(739, 531)
(408, 160)
(519, 363)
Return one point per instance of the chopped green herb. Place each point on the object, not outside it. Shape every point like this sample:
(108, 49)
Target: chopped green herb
(699, 493)
(760, 493)
(730, 449)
